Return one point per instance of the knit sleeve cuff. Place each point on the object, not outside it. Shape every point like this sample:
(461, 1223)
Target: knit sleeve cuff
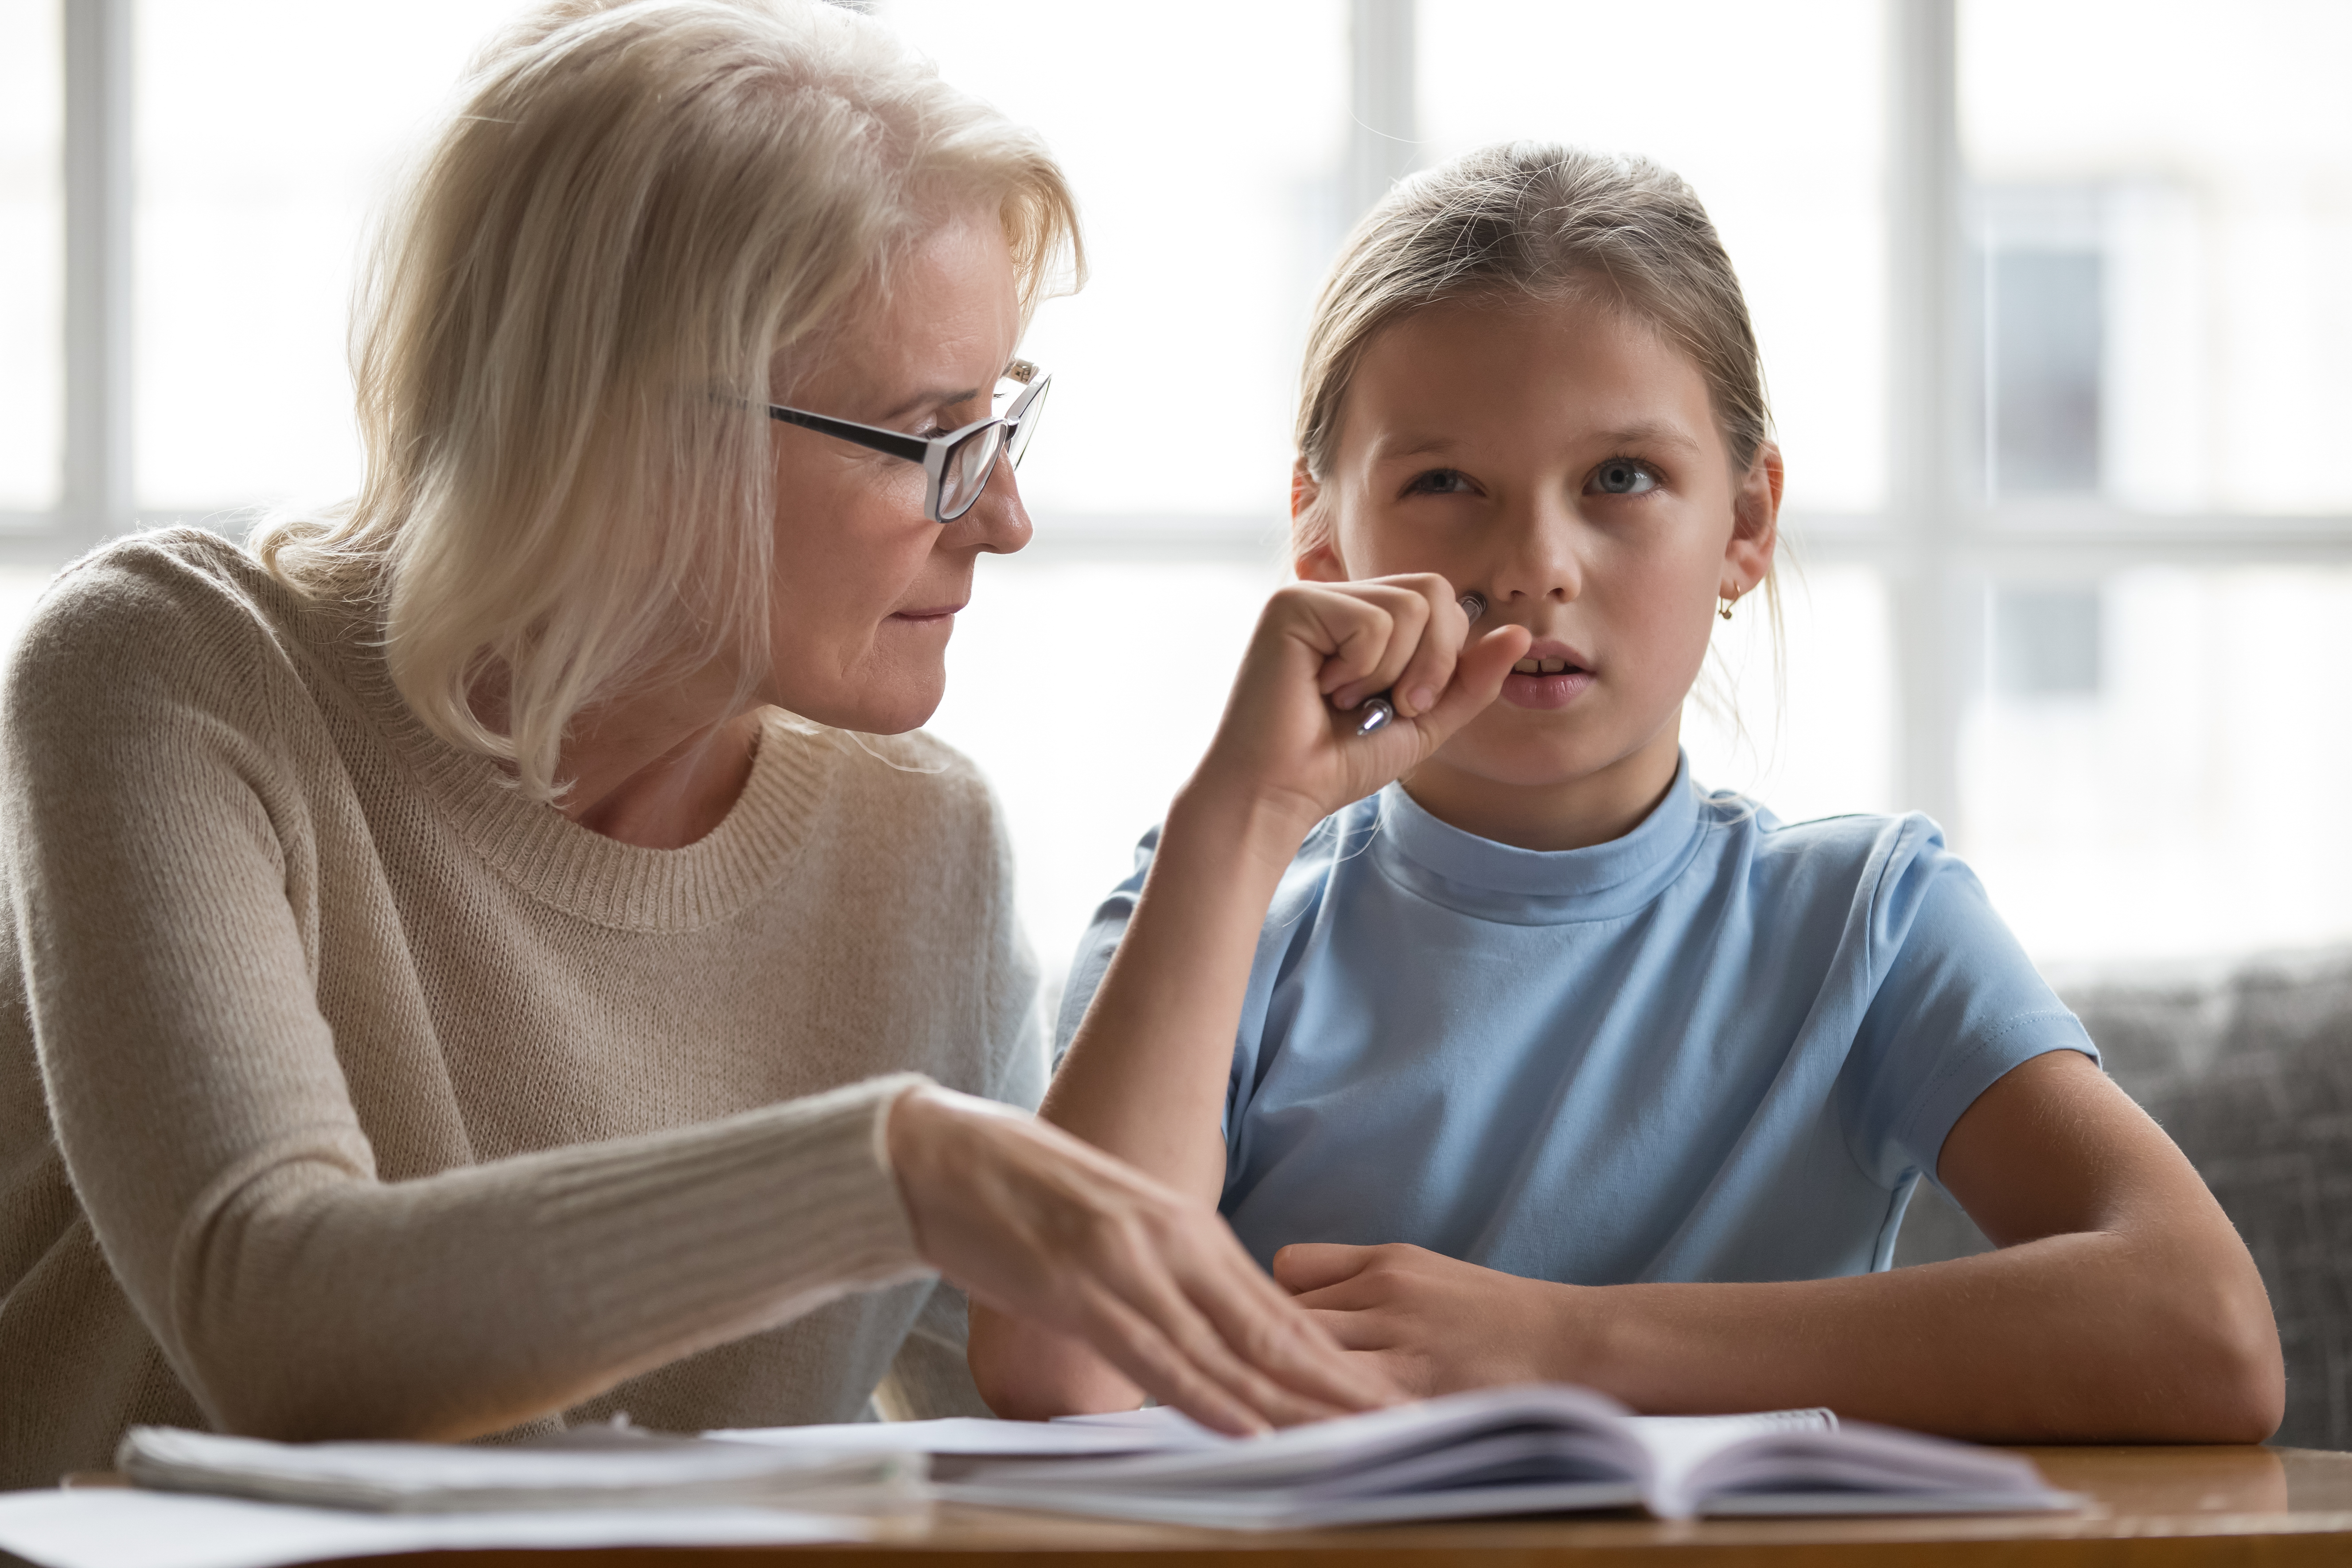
(690, 1238)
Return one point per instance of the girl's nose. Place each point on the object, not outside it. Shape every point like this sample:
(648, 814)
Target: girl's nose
(1538, 559)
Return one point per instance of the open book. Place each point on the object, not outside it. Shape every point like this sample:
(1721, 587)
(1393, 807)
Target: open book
(1535, 1450)
(1542, 1449)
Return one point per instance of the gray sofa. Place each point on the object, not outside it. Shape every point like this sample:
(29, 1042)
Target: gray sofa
(2251, 1071)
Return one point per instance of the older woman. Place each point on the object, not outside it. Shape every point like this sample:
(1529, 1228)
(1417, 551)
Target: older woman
(471, 970)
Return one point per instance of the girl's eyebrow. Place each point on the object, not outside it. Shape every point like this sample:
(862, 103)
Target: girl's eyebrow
(1641, 432)
(1650, 432)
(1386, 450)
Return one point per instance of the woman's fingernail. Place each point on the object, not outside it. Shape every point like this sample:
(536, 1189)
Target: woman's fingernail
(1423, 699)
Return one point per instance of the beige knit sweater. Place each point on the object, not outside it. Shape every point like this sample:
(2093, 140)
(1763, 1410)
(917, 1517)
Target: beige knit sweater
(342, 1091)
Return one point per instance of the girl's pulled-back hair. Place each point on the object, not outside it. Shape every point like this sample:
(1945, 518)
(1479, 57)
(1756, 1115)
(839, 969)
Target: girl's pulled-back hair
(1535, 220)
(565, 341)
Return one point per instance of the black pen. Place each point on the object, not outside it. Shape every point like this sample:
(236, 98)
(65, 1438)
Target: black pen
(1377, 709)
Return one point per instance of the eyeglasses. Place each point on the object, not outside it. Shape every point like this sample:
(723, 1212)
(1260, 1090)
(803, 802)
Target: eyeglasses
(956, 466)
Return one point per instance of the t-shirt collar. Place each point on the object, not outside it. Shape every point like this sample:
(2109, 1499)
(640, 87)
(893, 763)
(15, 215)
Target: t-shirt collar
(1534, 886)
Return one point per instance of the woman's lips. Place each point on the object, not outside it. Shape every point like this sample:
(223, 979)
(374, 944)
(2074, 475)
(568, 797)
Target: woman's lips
(1553, 675)
(927, 617)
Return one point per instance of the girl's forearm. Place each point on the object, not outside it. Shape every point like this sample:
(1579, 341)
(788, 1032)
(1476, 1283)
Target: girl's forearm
(1145, 1077)
(2094, 1336)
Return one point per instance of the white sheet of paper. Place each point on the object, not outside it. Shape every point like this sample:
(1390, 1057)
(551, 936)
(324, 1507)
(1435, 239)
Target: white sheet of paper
(1142, 1431)
(118, 1527)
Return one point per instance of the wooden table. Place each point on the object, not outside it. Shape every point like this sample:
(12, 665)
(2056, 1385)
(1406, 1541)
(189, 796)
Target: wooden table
(2153, 1508)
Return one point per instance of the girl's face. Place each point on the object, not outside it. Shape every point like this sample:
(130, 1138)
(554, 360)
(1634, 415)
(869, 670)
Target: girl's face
(1564, 462)
(867, 591)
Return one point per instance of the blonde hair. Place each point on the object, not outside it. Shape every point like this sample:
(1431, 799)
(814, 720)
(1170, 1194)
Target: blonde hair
(1532, 220)
(568, 327)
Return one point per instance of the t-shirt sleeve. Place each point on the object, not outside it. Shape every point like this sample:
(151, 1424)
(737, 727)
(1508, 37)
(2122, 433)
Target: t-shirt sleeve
(1093, 957)
(1016, 1001)
(1959, 1006)
(1294, 899)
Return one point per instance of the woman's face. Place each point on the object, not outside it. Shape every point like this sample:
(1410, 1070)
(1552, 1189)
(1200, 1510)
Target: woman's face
(867, 591)
(1564, 462)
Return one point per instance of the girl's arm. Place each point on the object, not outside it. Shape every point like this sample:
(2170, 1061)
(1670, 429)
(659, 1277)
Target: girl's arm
(1144, 1078)
(2121, 1305)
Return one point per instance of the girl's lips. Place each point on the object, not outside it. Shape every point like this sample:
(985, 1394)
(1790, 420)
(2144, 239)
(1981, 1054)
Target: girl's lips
(1544, 691)
(1556, 689)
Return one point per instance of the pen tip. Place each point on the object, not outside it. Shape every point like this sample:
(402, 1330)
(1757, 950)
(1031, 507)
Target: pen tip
(1374, 714)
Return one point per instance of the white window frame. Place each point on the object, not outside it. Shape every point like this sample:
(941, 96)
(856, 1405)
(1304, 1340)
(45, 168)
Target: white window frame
(1937, 543)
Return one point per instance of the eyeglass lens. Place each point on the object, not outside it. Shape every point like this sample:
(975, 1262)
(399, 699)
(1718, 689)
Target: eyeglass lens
(970, 465)
(968, 468)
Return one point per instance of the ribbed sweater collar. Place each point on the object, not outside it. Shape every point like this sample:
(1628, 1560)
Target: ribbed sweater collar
(573, 868)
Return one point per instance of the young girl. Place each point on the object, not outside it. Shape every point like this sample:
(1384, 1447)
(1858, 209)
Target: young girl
(1541, 1062)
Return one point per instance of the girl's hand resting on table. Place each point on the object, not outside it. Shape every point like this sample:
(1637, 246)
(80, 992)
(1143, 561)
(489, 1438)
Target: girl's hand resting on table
(1288, 737)
(1432, 1324)
(1035, 1224)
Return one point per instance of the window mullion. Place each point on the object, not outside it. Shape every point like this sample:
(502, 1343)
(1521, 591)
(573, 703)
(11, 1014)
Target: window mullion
(1383, 135)
(98, 501)
(1926, 426)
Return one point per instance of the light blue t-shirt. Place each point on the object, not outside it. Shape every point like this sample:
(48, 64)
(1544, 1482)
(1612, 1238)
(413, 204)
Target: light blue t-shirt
(1720, 1047)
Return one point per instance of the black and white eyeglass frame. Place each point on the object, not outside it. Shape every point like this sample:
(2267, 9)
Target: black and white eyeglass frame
(1008, 431)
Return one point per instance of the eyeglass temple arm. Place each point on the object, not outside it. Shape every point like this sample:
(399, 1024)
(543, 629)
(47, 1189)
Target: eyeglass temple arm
(870, 437)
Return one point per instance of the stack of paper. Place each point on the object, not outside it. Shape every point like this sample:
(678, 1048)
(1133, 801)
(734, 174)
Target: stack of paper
(594, 1468)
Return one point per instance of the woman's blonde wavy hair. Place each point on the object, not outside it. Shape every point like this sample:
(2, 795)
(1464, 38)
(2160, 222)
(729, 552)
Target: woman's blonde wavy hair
(567, 329)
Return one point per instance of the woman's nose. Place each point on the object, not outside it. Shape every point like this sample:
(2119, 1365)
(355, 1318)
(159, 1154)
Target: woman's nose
(998, 522)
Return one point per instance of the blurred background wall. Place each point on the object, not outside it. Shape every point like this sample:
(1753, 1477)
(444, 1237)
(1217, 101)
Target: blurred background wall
(2053, 299)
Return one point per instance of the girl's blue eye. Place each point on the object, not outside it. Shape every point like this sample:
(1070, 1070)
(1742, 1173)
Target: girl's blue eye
(1440, 482)
(1623, 477)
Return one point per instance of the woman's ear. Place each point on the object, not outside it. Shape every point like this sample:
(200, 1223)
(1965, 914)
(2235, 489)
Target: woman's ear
(1315, 544)
(1755, 523)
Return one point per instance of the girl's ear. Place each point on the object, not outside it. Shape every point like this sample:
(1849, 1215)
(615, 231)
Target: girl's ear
(1755, 523)
(1316, 544)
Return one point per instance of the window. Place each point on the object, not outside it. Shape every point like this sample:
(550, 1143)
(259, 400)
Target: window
(2156, 245)
(2054, 353)
(266, 133)
(31, 261)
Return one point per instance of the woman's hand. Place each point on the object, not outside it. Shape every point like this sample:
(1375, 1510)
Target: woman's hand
(1038, 1225)
(1288, 737)
(1434, 1325)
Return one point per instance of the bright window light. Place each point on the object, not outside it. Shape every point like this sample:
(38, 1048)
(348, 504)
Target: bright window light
(2198, 182)
(32, 254)
(268, 134)
(1775, 115)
